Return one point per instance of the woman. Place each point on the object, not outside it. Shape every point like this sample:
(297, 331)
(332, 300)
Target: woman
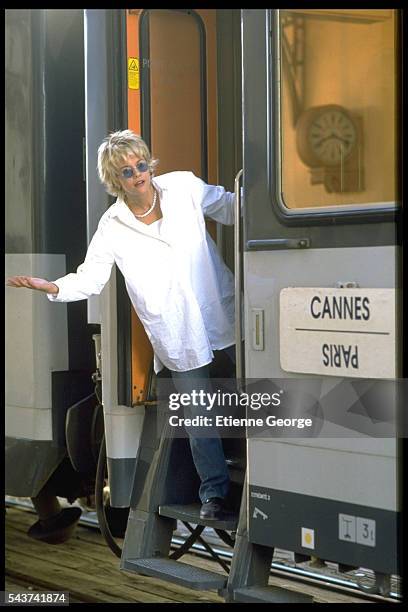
(177, 282)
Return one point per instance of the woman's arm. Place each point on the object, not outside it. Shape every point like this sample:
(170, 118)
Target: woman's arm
(89, 279)
(215, 201)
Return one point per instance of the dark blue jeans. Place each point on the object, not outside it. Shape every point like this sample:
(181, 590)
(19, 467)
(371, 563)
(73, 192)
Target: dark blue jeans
(208, 453)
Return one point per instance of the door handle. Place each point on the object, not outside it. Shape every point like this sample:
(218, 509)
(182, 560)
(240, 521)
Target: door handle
(278, 243)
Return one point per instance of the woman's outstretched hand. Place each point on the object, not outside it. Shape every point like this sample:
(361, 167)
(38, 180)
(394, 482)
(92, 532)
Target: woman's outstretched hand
(29, 282)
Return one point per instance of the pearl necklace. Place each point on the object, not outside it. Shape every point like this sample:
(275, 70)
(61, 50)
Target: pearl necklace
(150, 209)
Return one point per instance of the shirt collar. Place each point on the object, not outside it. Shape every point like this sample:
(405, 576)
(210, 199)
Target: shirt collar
(121, 210)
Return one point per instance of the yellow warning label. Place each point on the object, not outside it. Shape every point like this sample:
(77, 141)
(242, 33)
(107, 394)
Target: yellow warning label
(133, 73)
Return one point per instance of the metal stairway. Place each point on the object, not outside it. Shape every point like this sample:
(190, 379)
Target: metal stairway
(177, 572)
(168, 568)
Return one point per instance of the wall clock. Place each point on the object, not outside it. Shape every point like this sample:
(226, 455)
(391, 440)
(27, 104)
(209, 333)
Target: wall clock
(326, 135)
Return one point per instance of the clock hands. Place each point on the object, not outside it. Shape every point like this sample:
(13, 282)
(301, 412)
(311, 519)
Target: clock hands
(330, 137)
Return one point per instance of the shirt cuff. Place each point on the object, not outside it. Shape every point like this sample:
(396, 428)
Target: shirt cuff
(56, 297)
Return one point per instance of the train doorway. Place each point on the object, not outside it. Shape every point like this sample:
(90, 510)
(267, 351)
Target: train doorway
(182, 76)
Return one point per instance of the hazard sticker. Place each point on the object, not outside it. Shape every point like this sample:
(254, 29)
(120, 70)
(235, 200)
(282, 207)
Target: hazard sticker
(133, 73)
(308, 538)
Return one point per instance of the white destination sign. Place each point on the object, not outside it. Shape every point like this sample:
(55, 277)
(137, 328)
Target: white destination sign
(338, 332)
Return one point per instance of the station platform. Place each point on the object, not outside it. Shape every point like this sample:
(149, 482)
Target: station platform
(86, 568)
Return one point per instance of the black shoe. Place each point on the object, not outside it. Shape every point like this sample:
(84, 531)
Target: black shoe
(214, 508)
(57, 529)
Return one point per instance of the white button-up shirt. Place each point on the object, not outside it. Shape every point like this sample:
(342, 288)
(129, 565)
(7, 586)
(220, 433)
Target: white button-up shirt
(180, 288)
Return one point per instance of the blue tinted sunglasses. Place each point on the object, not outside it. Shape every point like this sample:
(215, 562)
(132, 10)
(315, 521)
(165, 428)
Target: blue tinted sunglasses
(129, 171)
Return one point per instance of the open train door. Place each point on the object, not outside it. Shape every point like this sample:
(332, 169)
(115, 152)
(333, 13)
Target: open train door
(321, 277)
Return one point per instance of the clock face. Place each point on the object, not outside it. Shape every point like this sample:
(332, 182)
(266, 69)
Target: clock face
(332, 136)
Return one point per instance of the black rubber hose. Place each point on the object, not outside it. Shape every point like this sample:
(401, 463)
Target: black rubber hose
(95, 444)
(100, 508)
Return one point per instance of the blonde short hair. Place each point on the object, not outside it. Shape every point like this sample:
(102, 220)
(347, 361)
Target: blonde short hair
(112, 152)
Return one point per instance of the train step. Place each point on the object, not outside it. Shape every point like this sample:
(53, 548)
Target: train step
(179, 573)
(191, 514)
(269, 594)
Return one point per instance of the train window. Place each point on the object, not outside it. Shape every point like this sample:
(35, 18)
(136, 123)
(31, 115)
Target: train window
(337, 108)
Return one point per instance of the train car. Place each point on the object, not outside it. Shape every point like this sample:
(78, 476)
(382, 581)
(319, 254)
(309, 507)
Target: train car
(321, 230)
(49, 354)
(297, 112)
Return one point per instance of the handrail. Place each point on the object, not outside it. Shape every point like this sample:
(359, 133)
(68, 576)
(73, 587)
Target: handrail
(238, 284)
